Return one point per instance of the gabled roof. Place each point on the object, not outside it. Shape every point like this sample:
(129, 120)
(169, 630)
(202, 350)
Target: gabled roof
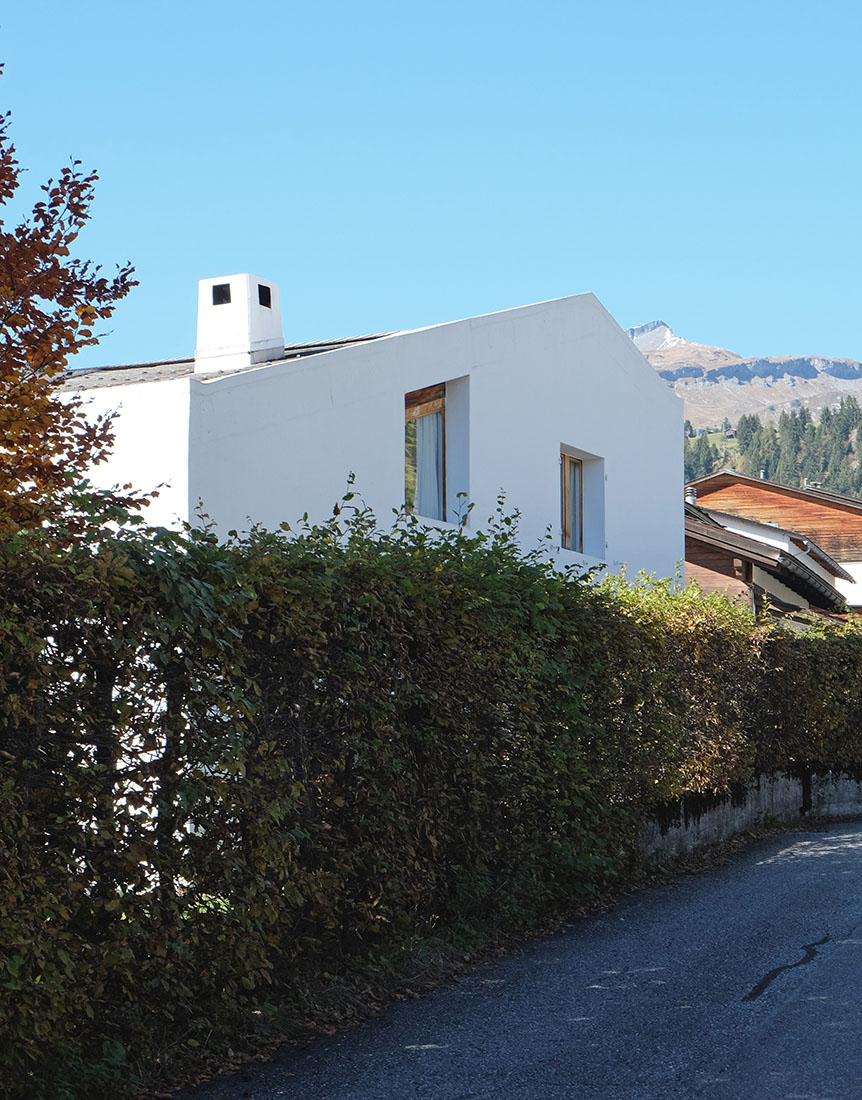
(135, 373)
(724, 478)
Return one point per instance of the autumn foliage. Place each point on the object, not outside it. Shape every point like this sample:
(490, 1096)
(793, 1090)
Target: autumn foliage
(51, 305)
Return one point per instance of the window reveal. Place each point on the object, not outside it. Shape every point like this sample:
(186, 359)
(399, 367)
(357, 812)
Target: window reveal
(425, 452)
(572, 502)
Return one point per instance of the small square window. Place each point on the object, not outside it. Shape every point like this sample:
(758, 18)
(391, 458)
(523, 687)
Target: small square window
(221, 294)
(264, 295)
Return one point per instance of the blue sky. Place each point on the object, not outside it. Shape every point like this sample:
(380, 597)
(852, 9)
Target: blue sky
(392, 165)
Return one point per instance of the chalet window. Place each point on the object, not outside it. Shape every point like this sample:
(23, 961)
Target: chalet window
(425, 452)
(572, 502)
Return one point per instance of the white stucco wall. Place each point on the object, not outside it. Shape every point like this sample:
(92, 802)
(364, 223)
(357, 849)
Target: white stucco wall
(851, 590)
(151, 442)
(239, 332)
(269, 444)
(774, 586)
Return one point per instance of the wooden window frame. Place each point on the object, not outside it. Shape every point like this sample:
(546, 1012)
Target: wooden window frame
(432, 399)
(424, 402)
(569, 542)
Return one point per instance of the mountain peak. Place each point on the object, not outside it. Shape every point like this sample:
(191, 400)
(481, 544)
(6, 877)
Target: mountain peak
(716, 383)
(655, 336)
(642, 330)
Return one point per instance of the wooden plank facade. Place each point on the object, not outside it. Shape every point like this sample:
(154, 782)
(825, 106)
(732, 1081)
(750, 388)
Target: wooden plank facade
(832, 521)
(717, 570)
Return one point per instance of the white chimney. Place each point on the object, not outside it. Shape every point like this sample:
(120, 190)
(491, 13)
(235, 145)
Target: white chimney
(239, 323)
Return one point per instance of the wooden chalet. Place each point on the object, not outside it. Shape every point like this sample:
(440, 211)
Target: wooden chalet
(830, 520)
(769, 570)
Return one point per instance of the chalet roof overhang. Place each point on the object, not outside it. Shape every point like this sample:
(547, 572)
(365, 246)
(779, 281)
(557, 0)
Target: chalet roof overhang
(772, 559)
(803, 542)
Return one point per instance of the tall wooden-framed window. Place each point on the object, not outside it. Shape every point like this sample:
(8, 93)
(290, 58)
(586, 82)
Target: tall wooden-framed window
(425, 452)
(572, 502)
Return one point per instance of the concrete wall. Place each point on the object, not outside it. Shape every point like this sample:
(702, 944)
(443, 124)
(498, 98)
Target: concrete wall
(270, 444)
(700, 820)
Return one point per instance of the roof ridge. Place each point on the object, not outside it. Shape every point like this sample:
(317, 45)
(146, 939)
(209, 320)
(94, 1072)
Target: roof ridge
(804, 490)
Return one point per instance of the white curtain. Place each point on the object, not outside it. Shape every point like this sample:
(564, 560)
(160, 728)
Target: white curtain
(429, 466)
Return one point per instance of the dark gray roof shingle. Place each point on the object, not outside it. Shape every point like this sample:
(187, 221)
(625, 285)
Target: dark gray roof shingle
(92, 378)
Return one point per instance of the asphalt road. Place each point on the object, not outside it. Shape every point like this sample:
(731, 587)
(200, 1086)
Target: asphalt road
(740, 982)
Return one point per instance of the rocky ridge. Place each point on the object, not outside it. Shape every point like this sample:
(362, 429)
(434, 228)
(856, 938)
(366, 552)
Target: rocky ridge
(715, 383)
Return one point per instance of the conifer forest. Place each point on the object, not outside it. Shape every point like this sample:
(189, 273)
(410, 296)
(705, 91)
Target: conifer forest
(798, 450)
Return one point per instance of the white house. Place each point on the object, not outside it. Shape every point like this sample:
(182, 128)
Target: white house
(551, 404)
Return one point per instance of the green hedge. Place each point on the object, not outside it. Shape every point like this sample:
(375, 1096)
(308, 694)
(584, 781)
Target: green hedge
(229, 770)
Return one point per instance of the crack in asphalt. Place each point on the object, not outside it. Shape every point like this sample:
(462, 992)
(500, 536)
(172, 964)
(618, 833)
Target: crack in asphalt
(766, 981)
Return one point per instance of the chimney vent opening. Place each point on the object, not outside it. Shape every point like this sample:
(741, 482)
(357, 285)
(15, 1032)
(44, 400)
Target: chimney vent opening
(221, 294)
(264, 295)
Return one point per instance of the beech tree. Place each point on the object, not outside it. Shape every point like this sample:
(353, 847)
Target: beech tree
(51, 305)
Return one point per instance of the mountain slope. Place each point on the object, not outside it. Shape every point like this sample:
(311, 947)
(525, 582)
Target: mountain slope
(715, 383)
